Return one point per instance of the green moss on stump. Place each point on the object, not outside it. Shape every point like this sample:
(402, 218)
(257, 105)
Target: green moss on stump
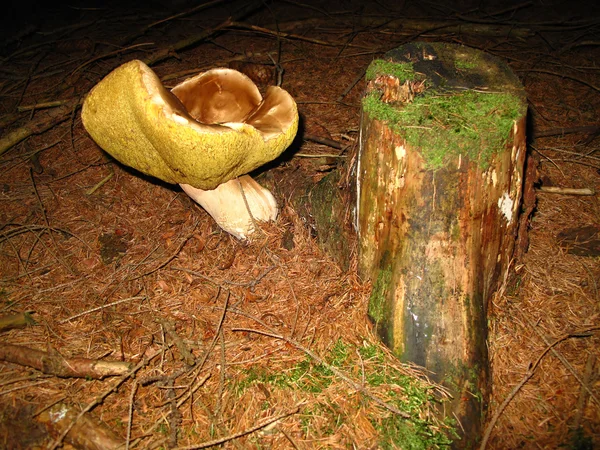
(402, 71)
(447, 120)
(470, 123)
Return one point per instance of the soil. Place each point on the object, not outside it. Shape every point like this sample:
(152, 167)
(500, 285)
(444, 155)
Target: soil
(228, 336)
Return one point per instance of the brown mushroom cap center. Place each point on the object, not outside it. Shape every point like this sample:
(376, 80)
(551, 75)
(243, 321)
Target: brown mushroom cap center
(226, 96)
(218, 96)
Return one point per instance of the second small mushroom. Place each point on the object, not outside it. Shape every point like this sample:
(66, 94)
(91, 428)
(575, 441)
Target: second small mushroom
(205, 134)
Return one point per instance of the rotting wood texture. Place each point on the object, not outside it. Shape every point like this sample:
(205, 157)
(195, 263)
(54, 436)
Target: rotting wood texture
(439, 188)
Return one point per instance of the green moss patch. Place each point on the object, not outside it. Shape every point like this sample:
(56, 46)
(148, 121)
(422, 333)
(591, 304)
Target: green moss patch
(442, 126)
(325, 394)
(378, 300)
(402, 71)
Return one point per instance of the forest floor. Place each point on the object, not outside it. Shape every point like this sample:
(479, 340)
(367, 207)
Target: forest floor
(266, 344)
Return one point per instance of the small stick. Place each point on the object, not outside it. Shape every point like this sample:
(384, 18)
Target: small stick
(56, 364)
(18, 380)
(194, 388)
(98, 308)
(324, 141)
(357, 386)
(9, 140)
(108, 55)
(20, 320)
(186, 13)
(566, 191)
(43, 105)
(26, 386)
(589, 129)
(99, 184)
(351, 86)
(588, 380)
(165, 53)
(251, 430)
(99, 399)
(219, 405)
(47, 222)
(199, 363)
(568, 365)
(184, 352)
(526, 378)
(318, 155)
(562, 75)
(281, 34)
(130, 415)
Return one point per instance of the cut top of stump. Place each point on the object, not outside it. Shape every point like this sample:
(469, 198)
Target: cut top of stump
(445, 99)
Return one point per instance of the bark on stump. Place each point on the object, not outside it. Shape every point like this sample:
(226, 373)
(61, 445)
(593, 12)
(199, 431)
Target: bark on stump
(440, 172)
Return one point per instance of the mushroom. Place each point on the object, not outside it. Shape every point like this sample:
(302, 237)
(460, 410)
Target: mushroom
(205, 134)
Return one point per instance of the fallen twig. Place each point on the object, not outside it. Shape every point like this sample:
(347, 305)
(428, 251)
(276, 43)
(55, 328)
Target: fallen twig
(42, 105)
(589, 377)
(184, 352)
(24, 386)
(20, 320)
(123, 300)
(165, 53)
(530, 372)
(565, 191)
(280, 34)
(561, 131)
(39, 126)
(355, 385)
(566, 363)
(56, 364)
(108, 55)
(324, 141)
(561, 75)
(351, 86)
(186, 13)
(130, 414)
(197, 367)
(100, 184)
(87, 434)
(251, 430)
(100, 398)
(58, 255)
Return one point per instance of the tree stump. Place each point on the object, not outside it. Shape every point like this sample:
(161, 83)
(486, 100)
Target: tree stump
(440, 172)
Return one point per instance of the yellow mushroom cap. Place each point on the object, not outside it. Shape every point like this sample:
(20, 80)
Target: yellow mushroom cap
(206, 131)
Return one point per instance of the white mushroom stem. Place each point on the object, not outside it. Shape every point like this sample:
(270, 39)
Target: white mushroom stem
(236, 204)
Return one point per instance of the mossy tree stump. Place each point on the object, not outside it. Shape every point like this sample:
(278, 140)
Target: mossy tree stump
(440, 170)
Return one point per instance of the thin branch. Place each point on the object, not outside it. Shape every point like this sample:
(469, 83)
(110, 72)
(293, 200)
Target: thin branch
(56, 364)
(357, 386)
(281, 34)
(324, 141)
(108, 55)
(12, 138)
(130, 413)
(20, 320)
(99, 399)
(567, 364)
(561, 131)
(565, 191)
(99, 308)
(165, 53)
(561, 75)
(251, 430)
(530, 372)
(188, 12)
